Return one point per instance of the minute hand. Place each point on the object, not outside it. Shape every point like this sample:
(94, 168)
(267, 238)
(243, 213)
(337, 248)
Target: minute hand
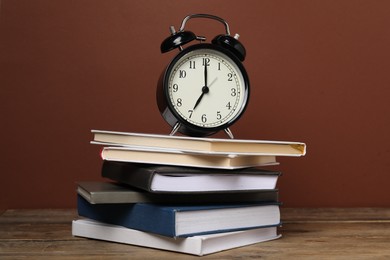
(205, 89)
(205, 75)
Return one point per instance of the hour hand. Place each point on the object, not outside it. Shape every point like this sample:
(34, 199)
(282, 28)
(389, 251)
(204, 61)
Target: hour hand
(205, 90)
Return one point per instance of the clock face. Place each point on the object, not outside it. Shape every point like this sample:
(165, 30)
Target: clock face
(207, 88)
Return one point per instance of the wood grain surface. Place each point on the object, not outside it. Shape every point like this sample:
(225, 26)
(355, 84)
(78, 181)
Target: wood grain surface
(308, 233)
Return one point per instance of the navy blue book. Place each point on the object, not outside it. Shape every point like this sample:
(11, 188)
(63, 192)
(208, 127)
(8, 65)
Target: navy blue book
(183, 221)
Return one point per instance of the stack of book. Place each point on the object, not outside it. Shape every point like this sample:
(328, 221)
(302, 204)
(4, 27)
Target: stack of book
(184, 194)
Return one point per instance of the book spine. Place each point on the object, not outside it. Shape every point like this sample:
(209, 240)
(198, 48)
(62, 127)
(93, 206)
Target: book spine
(128, 173)
(135, 216)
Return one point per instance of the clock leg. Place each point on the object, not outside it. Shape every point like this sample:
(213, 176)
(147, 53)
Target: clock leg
(229, 133)
(175, 128)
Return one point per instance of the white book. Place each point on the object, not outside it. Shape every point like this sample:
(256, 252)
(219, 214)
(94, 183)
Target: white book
(179, 158)
(196, 245)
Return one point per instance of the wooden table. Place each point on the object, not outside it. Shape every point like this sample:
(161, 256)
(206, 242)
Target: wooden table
(327, 233)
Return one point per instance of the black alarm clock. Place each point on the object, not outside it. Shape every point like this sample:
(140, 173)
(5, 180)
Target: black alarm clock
(205, 88)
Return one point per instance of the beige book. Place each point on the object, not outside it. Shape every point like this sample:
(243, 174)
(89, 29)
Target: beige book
(213, 146)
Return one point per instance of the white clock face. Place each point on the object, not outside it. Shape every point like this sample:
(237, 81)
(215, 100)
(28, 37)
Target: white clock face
(206, 88)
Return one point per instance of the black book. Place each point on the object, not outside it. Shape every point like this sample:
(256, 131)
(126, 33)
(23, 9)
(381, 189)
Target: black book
(176, 179)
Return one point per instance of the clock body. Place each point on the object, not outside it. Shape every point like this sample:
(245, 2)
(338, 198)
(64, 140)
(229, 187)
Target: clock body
(204, 89)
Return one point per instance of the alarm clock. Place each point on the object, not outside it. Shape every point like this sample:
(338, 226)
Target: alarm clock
(205, 87)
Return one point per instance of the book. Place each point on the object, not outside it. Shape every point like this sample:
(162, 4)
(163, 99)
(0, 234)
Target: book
(183, 220)
(179, 158)
(162, 178)
(110, 192)
(199, 145)
(195, 245)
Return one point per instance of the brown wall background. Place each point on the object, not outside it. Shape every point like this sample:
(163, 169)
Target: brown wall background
(319, 73)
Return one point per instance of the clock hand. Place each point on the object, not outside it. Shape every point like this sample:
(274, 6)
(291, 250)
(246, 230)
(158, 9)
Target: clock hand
(212, 82)
(205, 90)
(205, 75)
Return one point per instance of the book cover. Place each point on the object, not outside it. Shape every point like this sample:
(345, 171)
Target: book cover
(195, 245)
(183, 221)
(200, 145)
(179, 158)
(162, 178)
(109, 192)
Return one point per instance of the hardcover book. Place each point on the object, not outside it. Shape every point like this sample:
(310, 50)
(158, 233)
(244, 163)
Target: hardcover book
(110, 192)
(200, 145)
(162, 178)
(179, 158)
(183, 221)
(195, 245)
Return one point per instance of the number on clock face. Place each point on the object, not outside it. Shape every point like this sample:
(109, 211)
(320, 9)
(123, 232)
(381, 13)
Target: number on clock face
(206, 88)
